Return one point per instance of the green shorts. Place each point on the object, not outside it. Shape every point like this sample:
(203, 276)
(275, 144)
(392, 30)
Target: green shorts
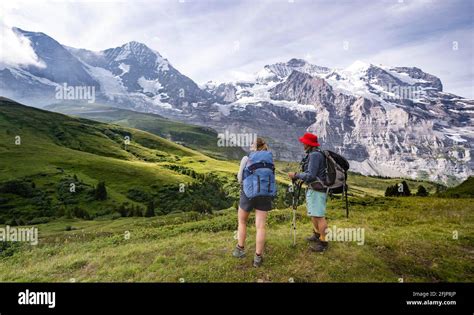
(316, 203)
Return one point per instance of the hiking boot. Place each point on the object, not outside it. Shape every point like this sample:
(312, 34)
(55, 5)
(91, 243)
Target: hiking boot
(319, 247)
(314, 237)
(238, 252)
(257, 261)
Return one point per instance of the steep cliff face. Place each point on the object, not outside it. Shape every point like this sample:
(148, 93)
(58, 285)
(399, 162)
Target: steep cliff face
(386, 121)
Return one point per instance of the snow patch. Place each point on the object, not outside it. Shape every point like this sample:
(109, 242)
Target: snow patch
(110, 85)
(150, 86)
(19, 73)
(405, 77)
(224, 109)
(456, 138)
(125, 68)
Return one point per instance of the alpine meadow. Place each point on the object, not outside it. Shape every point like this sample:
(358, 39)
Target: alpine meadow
(161, 154)
(145, 229)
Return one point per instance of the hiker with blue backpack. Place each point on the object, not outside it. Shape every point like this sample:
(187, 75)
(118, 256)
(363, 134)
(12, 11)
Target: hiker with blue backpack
(257, 178)
(313, 174)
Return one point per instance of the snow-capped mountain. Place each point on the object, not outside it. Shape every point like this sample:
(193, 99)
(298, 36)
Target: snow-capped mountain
(134, 72)
(36, 85)
(281, 70)
(132, 75)
(390, 121)
(387, 121)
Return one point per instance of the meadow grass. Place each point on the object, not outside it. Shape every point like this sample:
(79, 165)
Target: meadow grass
(408, 238)
(411, 238)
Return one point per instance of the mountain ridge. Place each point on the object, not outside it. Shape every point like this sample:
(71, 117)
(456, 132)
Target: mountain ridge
(387, 120)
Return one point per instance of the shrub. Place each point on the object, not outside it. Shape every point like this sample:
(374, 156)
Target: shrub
(18, 187)
(80, 213)
(100, 192)
(422, 192)
(150, 210)
(115, 216)
(8, 249)
(201, 206)
(401, 189)
(138, 195)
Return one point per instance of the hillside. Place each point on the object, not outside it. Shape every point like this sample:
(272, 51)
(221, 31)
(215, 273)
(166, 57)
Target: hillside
(463, 190)
(43, 153)
(196, 137)
(56, 151)
(191, 234)
(405, 238)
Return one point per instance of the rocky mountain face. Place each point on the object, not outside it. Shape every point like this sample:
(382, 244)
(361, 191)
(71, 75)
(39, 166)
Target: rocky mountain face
(389, 121)
(427, 136)
(141, 72)
(386, 121)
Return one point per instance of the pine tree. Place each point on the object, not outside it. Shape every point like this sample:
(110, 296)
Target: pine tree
(150, 210)
(406, 189)
(422, 192)
(122, 209)
(100, 191)
(392, 190)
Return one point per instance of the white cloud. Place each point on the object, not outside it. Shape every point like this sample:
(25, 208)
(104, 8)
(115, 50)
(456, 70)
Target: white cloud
(198, 37)
(16, 50)
(448, 56)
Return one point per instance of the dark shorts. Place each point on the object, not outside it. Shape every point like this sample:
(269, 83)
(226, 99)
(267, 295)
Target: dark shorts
(260, 203)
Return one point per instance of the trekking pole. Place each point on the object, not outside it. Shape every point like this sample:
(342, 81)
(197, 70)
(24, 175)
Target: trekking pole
(293, 205)
(296, 196)
(347, 202)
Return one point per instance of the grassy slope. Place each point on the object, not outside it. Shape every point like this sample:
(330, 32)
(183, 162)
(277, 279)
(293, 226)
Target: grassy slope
(54, 146)
(196, 137)
(405, 237)
(409, 238)
(464, 190)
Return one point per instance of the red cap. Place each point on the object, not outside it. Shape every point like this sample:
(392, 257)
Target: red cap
(310, 139)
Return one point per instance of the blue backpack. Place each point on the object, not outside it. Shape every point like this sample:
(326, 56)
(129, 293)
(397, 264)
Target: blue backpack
(259, 175)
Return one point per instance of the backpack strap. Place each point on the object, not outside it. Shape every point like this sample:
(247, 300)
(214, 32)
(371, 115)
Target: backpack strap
(258, 165)
(248, 160)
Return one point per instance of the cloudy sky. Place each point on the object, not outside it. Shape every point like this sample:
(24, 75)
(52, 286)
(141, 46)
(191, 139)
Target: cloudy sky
(227, 39)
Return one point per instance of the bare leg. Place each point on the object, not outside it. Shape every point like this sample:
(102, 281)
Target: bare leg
(242, 229)
(322, 226)
(260, 222)
(314, 220)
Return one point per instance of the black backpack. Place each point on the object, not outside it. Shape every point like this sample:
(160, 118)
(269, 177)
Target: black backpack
(336, 176)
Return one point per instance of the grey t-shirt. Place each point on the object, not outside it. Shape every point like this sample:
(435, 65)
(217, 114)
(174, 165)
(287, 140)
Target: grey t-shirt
(243, 163)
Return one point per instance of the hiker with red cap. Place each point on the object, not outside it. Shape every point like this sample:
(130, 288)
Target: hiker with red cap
(313, 171)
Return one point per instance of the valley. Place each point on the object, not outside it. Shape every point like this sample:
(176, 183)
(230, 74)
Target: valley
(167, 213)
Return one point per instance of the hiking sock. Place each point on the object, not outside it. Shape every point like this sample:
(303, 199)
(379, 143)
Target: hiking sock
(241, 247)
